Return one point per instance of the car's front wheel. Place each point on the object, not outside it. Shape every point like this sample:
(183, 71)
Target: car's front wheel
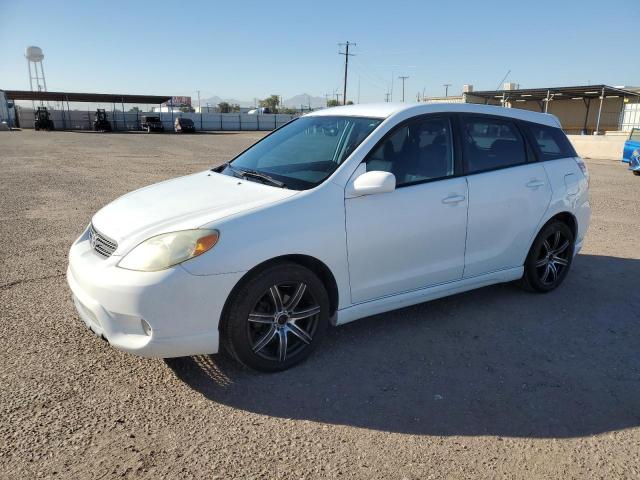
(276, 318)
(549, 258)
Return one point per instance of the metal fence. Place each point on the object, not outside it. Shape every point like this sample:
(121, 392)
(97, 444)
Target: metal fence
(130, 121)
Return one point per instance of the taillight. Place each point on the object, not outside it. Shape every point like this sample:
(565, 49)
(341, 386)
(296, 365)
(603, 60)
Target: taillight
(582, 165)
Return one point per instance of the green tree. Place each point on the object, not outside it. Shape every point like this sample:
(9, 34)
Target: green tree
(349, 102)
(187, 109)
(271, 103)
(234, 108)
(135, 109)
(224, 107)
(333, 103)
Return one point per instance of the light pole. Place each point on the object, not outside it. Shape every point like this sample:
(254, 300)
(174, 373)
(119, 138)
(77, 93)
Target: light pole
(446, 89)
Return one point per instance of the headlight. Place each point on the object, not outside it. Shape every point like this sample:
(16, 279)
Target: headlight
(164, 251)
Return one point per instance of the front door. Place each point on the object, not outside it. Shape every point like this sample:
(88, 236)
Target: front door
(413, 237)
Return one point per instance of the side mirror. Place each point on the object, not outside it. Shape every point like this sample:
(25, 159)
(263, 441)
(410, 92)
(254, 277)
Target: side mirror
(371, 183)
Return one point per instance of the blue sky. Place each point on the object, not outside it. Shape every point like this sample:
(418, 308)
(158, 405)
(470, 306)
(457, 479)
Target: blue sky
(248, 49)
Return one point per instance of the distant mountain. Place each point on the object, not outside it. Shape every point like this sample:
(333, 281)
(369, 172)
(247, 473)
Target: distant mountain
(215, 100)
(293, 102)
(304, 99)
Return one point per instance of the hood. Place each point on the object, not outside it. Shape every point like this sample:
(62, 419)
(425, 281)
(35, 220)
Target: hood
(180, 204)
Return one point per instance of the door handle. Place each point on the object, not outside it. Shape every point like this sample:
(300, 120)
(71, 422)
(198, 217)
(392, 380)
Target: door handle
(535, 183)
(453, 199)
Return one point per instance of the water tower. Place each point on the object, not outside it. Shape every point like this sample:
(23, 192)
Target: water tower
(34, 57)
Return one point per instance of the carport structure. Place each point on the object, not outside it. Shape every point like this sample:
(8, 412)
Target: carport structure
(66, 97)
(607, 109)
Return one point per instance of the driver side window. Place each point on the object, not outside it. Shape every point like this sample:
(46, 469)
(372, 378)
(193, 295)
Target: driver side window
(417, 151)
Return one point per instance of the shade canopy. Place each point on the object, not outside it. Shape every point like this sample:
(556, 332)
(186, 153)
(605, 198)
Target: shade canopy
(85, 97)
(557, 93)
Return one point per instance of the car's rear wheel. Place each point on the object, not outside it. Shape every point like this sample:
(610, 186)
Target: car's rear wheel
(276, 318)
(549, 258)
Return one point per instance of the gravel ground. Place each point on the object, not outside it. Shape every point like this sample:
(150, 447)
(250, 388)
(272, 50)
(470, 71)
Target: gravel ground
(491, 383)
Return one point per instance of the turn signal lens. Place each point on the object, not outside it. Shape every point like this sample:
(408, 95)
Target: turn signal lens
(205, 243)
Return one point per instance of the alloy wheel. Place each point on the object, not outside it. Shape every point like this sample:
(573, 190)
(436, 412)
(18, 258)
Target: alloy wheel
(283, 321)
(553, 258)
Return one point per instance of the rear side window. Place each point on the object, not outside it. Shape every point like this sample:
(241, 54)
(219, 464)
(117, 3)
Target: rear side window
(491, 143)
(552, 143)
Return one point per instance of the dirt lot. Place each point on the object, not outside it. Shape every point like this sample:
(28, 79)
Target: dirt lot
(492, 383)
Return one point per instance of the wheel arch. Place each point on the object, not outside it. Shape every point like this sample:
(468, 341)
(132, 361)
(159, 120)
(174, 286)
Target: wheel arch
(318, 267)
(565, 217)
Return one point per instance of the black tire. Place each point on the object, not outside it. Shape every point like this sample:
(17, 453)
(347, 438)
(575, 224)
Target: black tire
(246, 339)
(636, 172)
(549, 258)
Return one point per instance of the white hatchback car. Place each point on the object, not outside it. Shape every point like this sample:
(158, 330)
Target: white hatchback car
(338, 215)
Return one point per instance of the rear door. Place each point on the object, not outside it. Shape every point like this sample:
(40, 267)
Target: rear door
(509, 193)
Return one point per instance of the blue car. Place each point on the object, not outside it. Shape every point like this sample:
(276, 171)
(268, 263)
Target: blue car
(631, 152)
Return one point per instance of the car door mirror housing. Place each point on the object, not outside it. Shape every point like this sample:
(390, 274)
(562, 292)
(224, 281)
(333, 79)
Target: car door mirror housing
(371, 183)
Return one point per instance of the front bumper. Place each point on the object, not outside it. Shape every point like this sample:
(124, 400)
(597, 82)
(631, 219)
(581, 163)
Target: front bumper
(183, 310)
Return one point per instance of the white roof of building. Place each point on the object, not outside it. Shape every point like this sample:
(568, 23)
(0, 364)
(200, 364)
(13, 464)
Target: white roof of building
(389, 109)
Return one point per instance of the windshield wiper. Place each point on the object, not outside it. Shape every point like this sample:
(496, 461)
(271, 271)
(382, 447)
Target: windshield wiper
(259, 176)
(250, 174)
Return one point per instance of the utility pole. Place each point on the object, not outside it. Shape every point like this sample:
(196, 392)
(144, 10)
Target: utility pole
(403, 78)
(446, 89)
(346, 68)
(392, 77)
(336, 94)
(199, 107)
(386, 97)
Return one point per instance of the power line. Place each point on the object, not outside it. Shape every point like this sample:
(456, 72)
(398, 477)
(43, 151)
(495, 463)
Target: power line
(503, 79)
(346, 68)
(403, 78)
(369, 78)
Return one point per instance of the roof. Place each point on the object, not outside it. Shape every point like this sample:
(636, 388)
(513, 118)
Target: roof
(85, 97)
(375, 110)
(558, 93)
(406, 110)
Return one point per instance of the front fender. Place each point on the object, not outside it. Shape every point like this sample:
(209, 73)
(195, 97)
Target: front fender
(311, 223)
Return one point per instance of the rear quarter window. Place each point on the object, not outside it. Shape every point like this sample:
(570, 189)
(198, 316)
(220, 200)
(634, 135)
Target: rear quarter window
(551, 142)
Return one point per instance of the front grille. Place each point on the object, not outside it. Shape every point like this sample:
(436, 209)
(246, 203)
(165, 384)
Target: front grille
(100, 243)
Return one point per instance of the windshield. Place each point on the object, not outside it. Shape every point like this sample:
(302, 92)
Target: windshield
(635, 135)
(306, 151)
